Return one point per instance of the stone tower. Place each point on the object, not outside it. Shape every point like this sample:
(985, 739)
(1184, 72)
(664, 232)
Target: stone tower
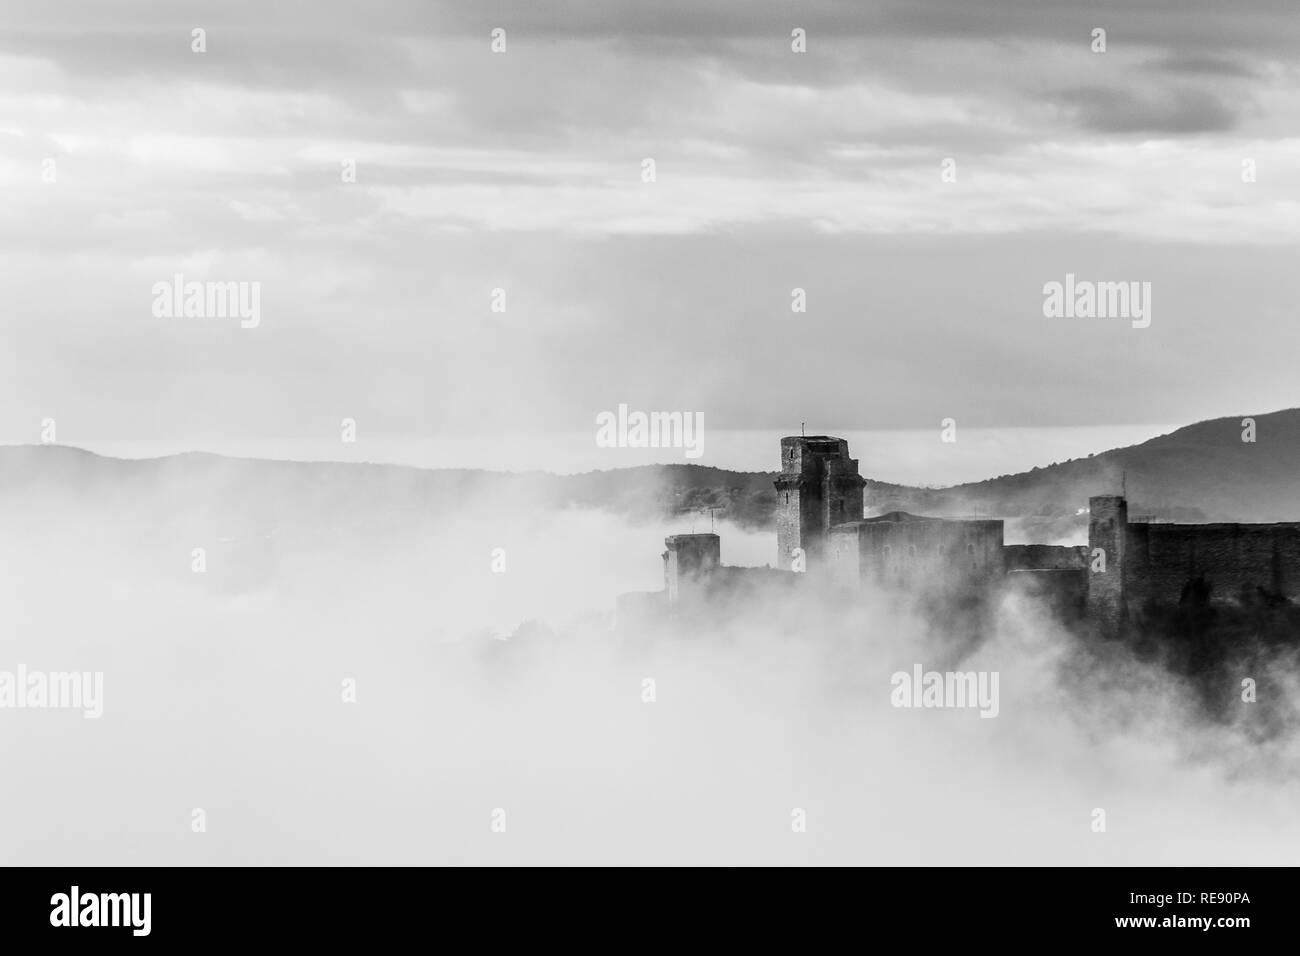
(819, 488)
(1107, 532)
(689, 564)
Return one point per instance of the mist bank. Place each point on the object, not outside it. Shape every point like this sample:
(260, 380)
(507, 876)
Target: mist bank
(390, 697)
(368, 663)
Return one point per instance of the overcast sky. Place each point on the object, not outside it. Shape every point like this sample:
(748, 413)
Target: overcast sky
(522, 170)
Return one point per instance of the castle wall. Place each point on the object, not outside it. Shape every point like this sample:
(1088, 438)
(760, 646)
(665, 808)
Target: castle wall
(1045, 557)
(1155, 563)
(924, 554)
(1232, 558)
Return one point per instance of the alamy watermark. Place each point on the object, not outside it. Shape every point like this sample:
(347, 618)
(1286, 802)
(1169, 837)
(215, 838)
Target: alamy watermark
(1084, 299)
(61, 690)
(626, 429)
(922, 688)
(179, 299)
(75, 908)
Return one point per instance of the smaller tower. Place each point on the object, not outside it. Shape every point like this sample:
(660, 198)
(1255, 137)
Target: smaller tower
(689, 564)
(1108, 545)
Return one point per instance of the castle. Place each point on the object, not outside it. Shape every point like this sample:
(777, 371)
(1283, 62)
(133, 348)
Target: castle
(823, 540)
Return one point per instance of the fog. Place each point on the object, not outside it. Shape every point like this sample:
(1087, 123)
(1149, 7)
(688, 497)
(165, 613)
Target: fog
(480, 690)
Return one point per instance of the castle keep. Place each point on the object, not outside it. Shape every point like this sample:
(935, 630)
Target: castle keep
(824, 540)
(819, 488)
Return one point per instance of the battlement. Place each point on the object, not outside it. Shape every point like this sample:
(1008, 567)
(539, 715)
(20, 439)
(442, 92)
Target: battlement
(804, 455)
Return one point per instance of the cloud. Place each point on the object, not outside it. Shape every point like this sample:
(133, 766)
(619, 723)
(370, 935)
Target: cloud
(1206, 65)
(230, 681)
(1176, 112)
(522, 170)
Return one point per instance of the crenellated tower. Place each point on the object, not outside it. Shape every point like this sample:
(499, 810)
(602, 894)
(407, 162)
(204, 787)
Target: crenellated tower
(819, 488)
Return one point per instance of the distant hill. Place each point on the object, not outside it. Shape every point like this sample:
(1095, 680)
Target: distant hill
(1203, 472)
